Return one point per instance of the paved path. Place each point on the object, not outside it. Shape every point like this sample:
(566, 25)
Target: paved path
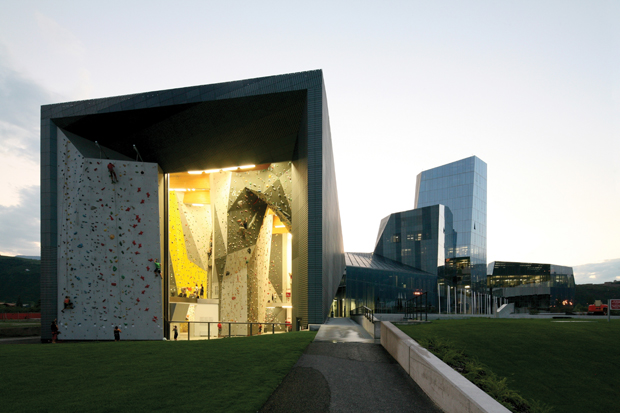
(344, 370)
(343, 330)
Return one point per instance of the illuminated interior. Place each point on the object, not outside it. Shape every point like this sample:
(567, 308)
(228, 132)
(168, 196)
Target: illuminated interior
(230, 246)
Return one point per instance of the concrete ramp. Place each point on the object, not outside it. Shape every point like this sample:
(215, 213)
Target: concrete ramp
(505, 310)
(343, 330)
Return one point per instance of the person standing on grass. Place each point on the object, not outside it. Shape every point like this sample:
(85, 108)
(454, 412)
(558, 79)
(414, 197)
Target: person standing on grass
(117, 334)
(54, 331)
(176, 333)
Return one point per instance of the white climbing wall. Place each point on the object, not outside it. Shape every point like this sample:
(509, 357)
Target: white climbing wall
(108, 239)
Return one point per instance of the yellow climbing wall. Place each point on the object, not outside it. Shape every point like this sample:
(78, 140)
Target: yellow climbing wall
(187, 274)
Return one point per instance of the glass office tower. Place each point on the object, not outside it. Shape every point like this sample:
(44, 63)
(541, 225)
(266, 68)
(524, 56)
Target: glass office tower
(462, 187)
(419, 238)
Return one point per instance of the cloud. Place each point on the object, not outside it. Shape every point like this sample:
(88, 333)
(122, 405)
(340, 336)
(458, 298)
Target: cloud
(20, 225)
(20, 102)
(600, 272)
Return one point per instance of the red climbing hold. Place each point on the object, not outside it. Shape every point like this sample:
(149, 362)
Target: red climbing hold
(139, 189)
(133, 242)
(148, 268)
(141, 233)
(148, 285)
(151, 259)
(142, 277)
(134, 225)
(114, 284)
(143, 291)
(128, 209)
(137, 299)
(137, 253)
(146, 309)
(148, 195)
(142, 201)
(139, 245)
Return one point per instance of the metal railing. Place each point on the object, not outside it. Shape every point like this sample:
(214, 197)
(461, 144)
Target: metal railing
(224, 329)
(414, 310)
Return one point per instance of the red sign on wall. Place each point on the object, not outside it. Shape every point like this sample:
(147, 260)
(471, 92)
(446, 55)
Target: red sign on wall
(288, 295)
(614, 304)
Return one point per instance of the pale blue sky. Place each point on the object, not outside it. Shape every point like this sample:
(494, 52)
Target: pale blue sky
(530, 87)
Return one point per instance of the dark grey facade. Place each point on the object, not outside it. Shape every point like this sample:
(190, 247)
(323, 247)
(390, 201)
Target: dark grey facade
(462, 187)
(253, 121)
(420, 238)
(533, 286)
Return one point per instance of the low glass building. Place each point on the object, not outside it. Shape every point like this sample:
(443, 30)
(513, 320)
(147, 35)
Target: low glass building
(533, 286)
(380, 284)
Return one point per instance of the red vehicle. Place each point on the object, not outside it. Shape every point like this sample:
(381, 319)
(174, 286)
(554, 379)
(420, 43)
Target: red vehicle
(598, 308)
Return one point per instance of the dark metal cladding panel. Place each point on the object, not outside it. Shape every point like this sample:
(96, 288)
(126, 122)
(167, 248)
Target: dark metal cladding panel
(49, 227)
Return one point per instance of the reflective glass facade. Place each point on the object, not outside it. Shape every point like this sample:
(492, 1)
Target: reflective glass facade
(462, 187)
(545, 287)
(381, 284)
(420, 238)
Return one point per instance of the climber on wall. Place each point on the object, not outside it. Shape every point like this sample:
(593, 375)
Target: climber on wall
(68, 304)
(157, 267)
(113, 176)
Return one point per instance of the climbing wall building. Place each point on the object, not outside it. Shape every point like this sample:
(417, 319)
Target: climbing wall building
(206, 203)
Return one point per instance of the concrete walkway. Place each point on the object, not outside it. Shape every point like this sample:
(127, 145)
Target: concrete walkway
(344, 370)
(343, 330)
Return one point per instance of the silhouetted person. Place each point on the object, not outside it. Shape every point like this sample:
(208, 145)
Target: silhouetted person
(117, 334)
(55, 332)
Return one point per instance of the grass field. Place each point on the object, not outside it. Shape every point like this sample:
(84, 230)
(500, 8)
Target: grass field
(571, 366)
(228, 375)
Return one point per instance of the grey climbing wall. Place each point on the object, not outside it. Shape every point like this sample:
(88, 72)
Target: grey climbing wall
(108, 239)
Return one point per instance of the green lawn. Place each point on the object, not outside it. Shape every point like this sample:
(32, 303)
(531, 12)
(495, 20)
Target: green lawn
(231, 375)
(572, 366)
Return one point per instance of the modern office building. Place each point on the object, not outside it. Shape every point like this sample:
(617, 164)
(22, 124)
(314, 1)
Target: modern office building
(533, 286)
(462, 187)
(381, 284)
(229, 187)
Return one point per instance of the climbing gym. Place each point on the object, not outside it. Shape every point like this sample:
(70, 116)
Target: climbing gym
(214, 203)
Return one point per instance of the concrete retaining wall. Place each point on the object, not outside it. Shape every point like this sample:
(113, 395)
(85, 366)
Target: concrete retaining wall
(447, 388)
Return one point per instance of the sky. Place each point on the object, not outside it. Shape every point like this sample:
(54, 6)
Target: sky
(530, 87)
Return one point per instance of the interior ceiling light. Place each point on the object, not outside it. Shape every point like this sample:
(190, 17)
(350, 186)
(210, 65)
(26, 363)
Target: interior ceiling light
(177, 189)
(287, 306)
(279, 226)
(198, 204)
(213, 171)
